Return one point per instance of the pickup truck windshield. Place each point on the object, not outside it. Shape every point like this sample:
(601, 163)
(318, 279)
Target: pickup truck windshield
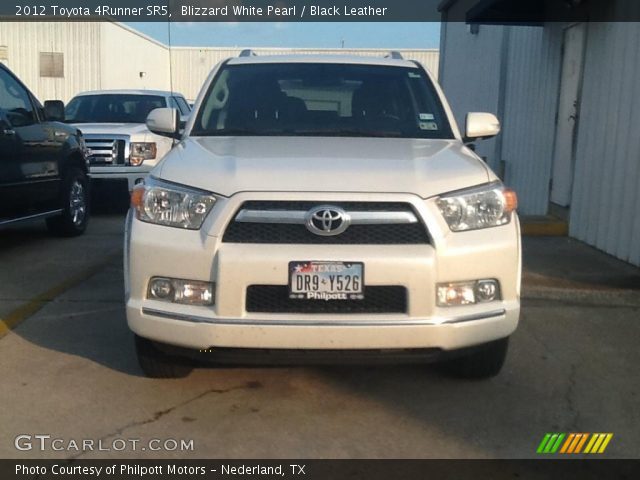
(323, 99)
(112, 108)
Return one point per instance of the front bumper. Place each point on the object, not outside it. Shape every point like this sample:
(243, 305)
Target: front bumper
(131, 175)
(152, 250)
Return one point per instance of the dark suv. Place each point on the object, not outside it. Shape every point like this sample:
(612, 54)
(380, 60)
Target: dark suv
(43, 168)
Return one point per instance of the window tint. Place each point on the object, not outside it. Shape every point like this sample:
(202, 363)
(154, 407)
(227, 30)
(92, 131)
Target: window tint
(173, 103)
(322, 99)
(112, 108)
(15, 101)
(183, 106)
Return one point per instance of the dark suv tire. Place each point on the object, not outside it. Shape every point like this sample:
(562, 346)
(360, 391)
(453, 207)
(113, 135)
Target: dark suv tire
(75, 205)
(158, 364)
(483, 363)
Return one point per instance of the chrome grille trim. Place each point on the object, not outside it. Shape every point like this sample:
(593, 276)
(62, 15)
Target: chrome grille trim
(360, 321)
(107, 149)
(288, 222)
(298, 217)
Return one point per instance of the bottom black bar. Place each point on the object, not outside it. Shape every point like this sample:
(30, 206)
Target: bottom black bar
(543, 469)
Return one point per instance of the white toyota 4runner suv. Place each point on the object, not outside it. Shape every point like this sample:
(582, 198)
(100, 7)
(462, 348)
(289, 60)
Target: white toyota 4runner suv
(322, 208)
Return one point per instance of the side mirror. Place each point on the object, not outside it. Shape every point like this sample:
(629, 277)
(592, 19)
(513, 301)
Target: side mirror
(54, 110)
(480, 126)
(165, 122)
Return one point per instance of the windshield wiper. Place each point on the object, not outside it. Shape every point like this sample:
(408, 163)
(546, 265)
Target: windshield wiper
(349, 133)
(232, 131)
(294, 132)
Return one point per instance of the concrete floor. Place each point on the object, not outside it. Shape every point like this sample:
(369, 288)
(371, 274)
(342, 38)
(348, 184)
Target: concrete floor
(69, 370)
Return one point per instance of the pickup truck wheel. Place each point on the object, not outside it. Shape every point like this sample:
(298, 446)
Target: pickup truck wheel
(75, 206)
(157, 364)
(484, 363)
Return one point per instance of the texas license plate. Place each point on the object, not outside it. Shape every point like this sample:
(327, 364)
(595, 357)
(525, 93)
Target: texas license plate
(326, 280)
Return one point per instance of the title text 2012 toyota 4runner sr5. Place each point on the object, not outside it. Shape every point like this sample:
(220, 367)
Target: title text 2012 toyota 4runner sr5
(322, 208)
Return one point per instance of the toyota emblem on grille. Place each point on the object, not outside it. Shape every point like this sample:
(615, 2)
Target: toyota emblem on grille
(327, 220)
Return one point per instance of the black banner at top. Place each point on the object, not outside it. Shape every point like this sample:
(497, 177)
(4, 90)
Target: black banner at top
(531, 12)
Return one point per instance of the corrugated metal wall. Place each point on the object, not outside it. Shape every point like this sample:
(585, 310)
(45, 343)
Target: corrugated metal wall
(530, 104)
(606, 191)
(606, 187)
(78, 41)
(102, 55)
(190, 66)
(130, 59)
(470, 75)
(514, 73)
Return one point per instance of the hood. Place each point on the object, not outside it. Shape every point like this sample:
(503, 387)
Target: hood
(113, 128)
(228, 165)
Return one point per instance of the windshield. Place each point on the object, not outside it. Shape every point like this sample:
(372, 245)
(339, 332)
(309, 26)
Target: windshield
(322, 99)
(112, 108)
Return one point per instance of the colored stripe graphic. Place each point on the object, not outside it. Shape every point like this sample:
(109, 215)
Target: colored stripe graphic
(581, 443)
(556, 445)
(567, 443)
(543, 443)
(550, 443)
(573, 443)
(598, 443)
(605, 443)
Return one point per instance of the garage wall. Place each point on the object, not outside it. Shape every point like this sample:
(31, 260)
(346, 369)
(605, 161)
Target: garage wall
(79, 42)
(470, 75)
(125, 52)
(606, 191)
(192, 65)
(606, 186)
(103, 55)
(530, 105)
(513, 72)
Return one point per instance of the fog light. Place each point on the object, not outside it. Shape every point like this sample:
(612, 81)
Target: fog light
(194, 293)
(161, 288)
(487, 290)
(467, 293)
(451, 294)
(188, 292)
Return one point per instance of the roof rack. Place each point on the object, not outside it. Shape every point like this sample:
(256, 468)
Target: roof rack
(395, 55)
(247, 52)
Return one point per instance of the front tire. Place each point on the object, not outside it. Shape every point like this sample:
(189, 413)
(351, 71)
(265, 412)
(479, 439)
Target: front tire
(75, 206)
(157, 364)
(483, 363)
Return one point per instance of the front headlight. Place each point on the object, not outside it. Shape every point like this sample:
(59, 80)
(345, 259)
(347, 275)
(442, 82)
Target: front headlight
(141, 151)
(164, 203)
(489, 205)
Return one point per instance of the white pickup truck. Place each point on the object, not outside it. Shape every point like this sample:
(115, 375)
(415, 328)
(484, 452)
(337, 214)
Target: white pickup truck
(121, 149)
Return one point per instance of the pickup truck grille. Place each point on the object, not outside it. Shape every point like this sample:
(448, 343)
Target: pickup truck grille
(106, 150)
(275, 299)
(248, 226)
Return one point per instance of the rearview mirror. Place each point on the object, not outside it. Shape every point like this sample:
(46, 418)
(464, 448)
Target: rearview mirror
(165, 122)
(480, 126)
(54, 110)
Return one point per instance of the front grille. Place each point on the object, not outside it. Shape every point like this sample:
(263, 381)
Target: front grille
(282, 233)
(275, 299)
(105, 151)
